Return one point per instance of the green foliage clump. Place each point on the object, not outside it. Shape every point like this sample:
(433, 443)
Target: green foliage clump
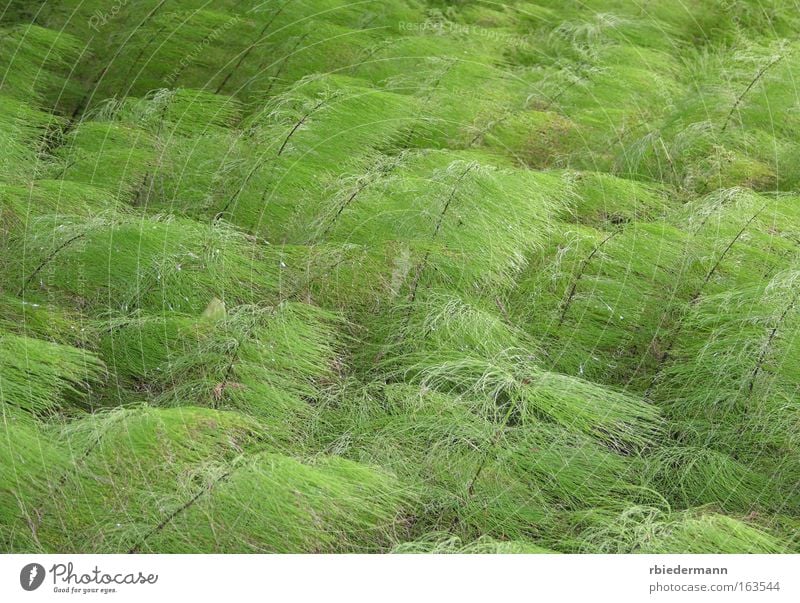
(650, 530)
(215, 467)
(40, 377)
(272, 363)
(416, 276)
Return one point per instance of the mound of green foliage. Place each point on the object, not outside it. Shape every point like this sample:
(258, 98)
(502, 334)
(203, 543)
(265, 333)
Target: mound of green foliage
(418, 276)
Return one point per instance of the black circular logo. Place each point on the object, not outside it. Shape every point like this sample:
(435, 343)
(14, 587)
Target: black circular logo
(31, 576)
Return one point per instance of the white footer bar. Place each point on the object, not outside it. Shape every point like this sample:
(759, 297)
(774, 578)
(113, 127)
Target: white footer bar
(372, 578)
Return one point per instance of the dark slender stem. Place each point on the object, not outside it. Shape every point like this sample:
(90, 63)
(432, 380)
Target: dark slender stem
(763, 355)
(492, 445)
(245, 53)
(344, 206)
(87, 98)
(283, 63)
(495, 439)
(206, 489)
(753, 82)
(423, 264)
(502, 307)
(155, 37)
(47, 260)
(376, 173)
(299, 124)
(558, 95)
(725, 252)
(578, 277)
(434, 86)
(692, 301)
(260, 163)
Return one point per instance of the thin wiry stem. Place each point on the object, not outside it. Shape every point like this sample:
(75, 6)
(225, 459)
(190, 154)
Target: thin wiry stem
(283, 63)
(87, 98)
(174, 513)
(429, 95)
(259, 164)
(721, 257)
(763, 355)
(666, 356)
(752, 83)
(423, 264)
(299, 124)
(492, 445)
(581, 271)
(47, 260)
(551, 101)
(245, 53)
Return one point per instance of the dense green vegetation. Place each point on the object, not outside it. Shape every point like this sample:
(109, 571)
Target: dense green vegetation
(399, 276)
